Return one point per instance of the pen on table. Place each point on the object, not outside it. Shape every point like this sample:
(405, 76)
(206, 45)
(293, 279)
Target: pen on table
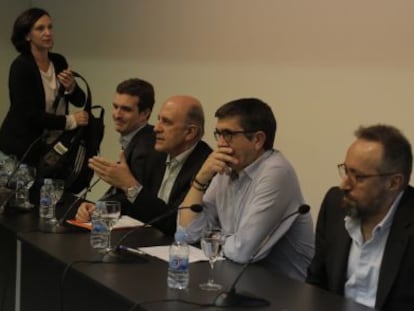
(131, 250)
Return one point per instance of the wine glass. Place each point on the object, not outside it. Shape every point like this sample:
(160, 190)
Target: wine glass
(211, 242)
(57, 192)
(110, 215)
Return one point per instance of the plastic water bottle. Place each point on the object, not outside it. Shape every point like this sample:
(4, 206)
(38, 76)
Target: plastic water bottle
(99, 231)
(178, 268)
(4, 176)
(46, 192)
(21, 178)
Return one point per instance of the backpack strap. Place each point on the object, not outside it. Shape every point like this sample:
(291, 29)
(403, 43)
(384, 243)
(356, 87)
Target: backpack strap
(58, 97)
(88, 97)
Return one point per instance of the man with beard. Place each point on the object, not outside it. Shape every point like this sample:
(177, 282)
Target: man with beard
(364, 234)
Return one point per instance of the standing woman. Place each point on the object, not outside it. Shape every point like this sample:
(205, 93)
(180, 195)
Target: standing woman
(36, 78)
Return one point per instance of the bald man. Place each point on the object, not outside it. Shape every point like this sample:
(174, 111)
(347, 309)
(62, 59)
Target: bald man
(179, 154)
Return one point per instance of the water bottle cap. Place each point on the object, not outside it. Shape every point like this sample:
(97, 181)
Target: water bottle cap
(179, 236)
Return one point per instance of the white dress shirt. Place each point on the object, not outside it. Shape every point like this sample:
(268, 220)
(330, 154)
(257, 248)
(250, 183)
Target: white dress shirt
(365, 258)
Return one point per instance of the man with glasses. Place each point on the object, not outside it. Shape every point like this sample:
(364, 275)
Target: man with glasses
(364, 234)
(247, 188)
(169, 170)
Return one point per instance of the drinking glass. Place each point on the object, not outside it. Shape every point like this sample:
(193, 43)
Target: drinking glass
(7, 166)
(110, 215)
(23, 193)
(58, 189)
(211, 242)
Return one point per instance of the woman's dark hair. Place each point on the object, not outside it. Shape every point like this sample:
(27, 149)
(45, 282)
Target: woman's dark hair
(22, 26)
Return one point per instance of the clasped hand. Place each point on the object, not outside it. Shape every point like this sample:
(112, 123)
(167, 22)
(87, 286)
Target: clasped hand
(219, 161)
(66, 78)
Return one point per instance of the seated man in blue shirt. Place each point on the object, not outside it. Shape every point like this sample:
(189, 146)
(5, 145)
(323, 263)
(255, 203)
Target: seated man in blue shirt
(249, 189)
(364, 235)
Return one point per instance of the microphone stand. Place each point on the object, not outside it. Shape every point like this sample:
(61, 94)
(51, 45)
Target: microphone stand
(23, 158)
(5, 195)
(118, 252)
(58, 227)
(233, 299)
(6, 192)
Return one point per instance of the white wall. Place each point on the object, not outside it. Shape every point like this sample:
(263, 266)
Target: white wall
(9, 9)
(325, 66)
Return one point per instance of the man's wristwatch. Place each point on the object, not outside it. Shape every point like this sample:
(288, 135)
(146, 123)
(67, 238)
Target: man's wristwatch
(132, 192)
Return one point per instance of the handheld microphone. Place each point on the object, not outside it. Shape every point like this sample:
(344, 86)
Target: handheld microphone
(58, 227)
(231, 298)
(197, 208)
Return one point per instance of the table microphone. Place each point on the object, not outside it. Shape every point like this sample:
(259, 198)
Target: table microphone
(6, 193)
(118, 248)
(58, 227)
(24, 157)
(231, 298)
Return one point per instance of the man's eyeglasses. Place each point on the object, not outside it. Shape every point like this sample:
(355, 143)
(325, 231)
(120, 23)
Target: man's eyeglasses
(357, 178)
(228, 135)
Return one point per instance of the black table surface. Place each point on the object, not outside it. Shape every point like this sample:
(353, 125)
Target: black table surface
(11, 224)
(142, 285)
(62, 272)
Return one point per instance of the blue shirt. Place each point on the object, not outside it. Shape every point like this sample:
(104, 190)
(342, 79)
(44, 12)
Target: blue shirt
(250, 206)
(365, 258)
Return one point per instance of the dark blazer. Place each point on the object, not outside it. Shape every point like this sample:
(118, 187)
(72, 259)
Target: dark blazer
(26, 118)
(136, 155)
(147, 205)
(329, 265)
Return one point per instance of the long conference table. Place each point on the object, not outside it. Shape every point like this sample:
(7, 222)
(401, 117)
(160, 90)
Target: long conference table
(51, 271)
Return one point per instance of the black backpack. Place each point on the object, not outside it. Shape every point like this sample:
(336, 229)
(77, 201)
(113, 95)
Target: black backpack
(67, 156)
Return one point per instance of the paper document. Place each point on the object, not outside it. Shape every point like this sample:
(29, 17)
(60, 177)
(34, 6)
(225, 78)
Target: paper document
(123, 222)
(162, 252)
